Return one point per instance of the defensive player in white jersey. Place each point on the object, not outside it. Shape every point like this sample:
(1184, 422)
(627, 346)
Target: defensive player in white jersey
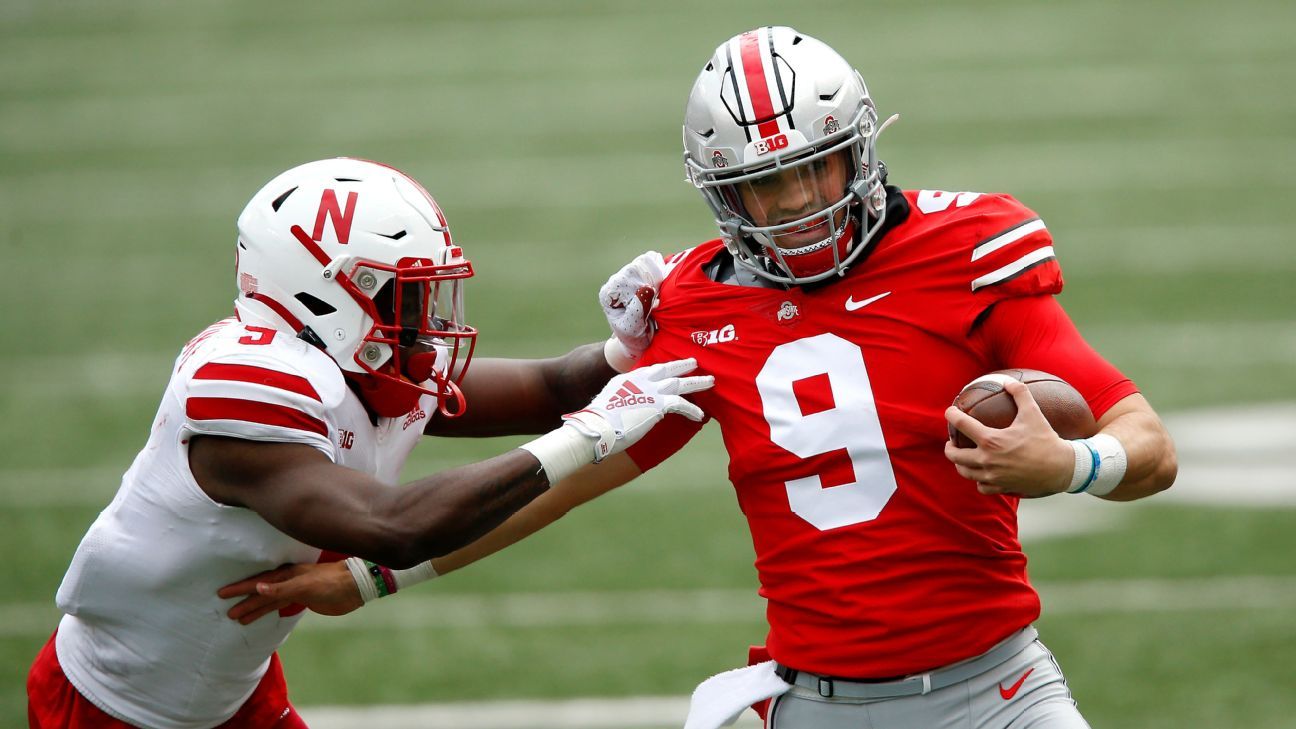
(840, 315)
(281, 436)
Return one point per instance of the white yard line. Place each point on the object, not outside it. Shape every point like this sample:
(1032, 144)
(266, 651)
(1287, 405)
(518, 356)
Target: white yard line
(428, 610)
(639, 712)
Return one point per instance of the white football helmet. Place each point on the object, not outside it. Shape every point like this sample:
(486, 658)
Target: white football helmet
(779, 136)
(356, 258)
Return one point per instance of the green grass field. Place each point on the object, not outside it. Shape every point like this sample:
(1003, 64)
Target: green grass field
(1156, 138)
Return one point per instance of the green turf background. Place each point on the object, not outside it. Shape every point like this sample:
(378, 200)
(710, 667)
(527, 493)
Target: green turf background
(1156, 138)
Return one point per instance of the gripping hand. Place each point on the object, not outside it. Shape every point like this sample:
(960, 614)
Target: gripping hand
(631, 404)
(627, 299)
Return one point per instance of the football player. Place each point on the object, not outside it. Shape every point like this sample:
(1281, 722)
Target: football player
(840, 315)
(281, 436)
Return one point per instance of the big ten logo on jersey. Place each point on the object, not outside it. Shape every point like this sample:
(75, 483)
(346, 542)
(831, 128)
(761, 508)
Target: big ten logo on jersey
(724, 334)
(331, 210)
(938, 201)
(346, 439)
(771, 144)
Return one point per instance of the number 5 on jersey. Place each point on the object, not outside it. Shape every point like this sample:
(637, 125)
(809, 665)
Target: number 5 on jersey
(849, 423)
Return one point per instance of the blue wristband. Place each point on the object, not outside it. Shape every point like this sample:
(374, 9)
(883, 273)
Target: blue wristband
(1094, 468)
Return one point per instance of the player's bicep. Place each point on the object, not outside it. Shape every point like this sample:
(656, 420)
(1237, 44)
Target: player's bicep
(1035, 332)
(294, 487)
(240, 472)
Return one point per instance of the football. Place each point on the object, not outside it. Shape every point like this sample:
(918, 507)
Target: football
(986, 400)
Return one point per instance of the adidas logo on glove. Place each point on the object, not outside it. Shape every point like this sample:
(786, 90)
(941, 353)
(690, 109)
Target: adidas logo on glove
(626, 395)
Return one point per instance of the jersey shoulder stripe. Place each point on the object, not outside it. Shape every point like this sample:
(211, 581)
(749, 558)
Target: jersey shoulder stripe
(199, 409)
(1007, 237)
(1015, 269)
(232, 372)
(1011, 249)
(274, 389)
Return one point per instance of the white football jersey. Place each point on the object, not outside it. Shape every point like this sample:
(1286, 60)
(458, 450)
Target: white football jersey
(144, 636)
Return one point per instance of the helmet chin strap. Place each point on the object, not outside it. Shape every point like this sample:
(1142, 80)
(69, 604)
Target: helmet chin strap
(773, 254)
(388, 398)
(392, 398)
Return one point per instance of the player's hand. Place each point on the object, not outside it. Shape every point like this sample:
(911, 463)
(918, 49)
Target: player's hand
(628, 299)
(327, 588)
(631, 404)
(1025, 459)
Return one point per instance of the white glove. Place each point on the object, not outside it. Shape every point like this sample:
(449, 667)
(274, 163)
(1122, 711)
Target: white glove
(627, 408)
(628, 299)
(631, 404)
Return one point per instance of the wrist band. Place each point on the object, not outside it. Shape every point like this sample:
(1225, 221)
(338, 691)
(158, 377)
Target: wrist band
(617, 356)
(363, 578)
(414, 575)
(1086, 467)
(1100, 464)
(375, 581)
(561, 452)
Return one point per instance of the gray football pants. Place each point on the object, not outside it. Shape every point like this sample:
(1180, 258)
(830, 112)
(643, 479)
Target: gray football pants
(1041, 701)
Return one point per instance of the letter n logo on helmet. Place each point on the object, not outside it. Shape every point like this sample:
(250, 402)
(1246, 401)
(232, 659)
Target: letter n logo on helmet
(341, 220)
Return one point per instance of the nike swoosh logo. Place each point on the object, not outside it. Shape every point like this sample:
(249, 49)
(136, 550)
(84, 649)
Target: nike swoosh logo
(1011, 691)
(853, 305)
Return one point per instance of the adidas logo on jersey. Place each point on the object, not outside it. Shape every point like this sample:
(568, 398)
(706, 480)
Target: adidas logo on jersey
(715, 336)
(628, 394)
(413, 417)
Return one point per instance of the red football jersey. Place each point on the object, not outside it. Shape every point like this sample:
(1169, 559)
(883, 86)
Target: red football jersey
(877, 559)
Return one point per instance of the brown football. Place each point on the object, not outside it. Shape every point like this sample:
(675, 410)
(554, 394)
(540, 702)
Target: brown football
(986, 400)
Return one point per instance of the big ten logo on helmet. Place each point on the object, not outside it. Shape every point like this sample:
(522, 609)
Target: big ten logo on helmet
(725, 333)
(771, 144)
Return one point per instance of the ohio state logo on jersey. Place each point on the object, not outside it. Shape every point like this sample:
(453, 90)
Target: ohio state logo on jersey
(715, 336)
(788, 311)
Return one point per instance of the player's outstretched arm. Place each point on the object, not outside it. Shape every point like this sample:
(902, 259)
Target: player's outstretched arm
(330, 588)
(514, 396)
(298, 490)
(510, 396)
(293, 489)
(302, 493)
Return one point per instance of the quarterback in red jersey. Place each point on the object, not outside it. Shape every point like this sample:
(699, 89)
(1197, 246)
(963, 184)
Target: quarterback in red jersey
(839, 317)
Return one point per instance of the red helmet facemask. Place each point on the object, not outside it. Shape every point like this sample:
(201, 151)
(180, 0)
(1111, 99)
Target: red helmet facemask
(417, 317)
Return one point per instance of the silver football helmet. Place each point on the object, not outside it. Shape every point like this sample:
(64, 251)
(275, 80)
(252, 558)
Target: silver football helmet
(779, 136)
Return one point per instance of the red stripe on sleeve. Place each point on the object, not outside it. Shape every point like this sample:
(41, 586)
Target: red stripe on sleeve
(757, 88)
(251, 411)
(257, 376)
